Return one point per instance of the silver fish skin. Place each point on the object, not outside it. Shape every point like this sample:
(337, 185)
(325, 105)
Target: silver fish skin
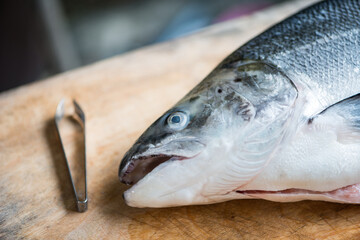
(279, 119)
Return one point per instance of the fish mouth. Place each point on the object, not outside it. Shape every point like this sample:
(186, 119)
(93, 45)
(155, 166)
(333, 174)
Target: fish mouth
(137, 168)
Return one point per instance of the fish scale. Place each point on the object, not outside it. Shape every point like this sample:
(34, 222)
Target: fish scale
(325, 48)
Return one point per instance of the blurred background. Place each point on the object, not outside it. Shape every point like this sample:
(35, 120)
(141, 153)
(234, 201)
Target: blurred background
(41, 38)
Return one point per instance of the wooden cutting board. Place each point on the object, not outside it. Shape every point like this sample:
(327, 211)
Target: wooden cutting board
(121, 97)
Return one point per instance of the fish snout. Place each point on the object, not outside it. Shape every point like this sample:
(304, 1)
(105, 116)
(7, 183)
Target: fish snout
(128, 162)
(125, 167)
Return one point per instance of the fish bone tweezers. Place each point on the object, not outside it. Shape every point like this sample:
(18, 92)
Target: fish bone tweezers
(81, 201)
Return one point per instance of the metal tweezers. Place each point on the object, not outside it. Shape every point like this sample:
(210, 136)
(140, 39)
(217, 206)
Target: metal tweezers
(81, 201)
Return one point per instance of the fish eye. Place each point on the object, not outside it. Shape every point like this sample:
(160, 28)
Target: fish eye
(177, 120)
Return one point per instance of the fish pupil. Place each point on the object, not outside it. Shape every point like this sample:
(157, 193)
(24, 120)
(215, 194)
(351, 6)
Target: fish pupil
(175, 119)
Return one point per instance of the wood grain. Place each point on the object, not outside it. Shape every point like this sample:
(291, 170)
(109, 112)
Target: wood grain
(121, 97)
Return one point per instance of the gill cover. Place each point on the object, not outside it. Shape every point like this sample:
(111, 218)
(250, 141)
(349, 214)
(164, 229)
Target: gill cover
(267, 98)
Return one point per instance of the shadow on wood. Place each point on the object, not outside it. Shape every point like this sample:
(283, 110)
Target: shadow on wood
(64, 183)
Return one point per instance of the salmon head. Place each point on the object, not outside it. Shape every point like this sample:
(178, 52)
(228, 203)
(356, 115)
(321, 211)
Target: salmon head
(212, 141)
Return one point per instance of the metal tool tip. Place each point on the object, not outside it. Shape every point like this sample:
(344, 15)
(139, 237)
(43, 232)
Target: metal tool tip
(60, 109)
(82, 206)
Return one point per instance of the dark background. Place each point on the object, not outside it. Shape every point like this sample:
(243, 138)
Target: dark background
(43, 37)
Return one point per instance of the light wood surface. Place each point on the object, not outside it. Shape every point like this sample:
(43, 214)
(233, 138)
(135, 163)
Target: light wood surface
(121, 97)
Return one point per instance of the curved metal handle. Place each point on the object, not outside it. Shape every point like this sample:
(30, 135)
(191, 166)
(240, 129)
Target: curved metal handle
(81, 201)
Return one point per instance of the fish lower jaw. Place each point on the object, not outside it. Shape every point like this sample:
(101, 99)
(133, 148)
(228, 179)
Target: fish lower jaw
(347, 194)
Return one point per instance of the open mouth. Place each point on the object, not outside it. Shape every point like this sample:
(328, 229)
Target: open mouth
(138, 168)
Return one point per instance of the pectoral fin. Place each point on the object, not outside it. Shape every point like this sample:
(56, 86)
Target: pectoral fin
(343, 118)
